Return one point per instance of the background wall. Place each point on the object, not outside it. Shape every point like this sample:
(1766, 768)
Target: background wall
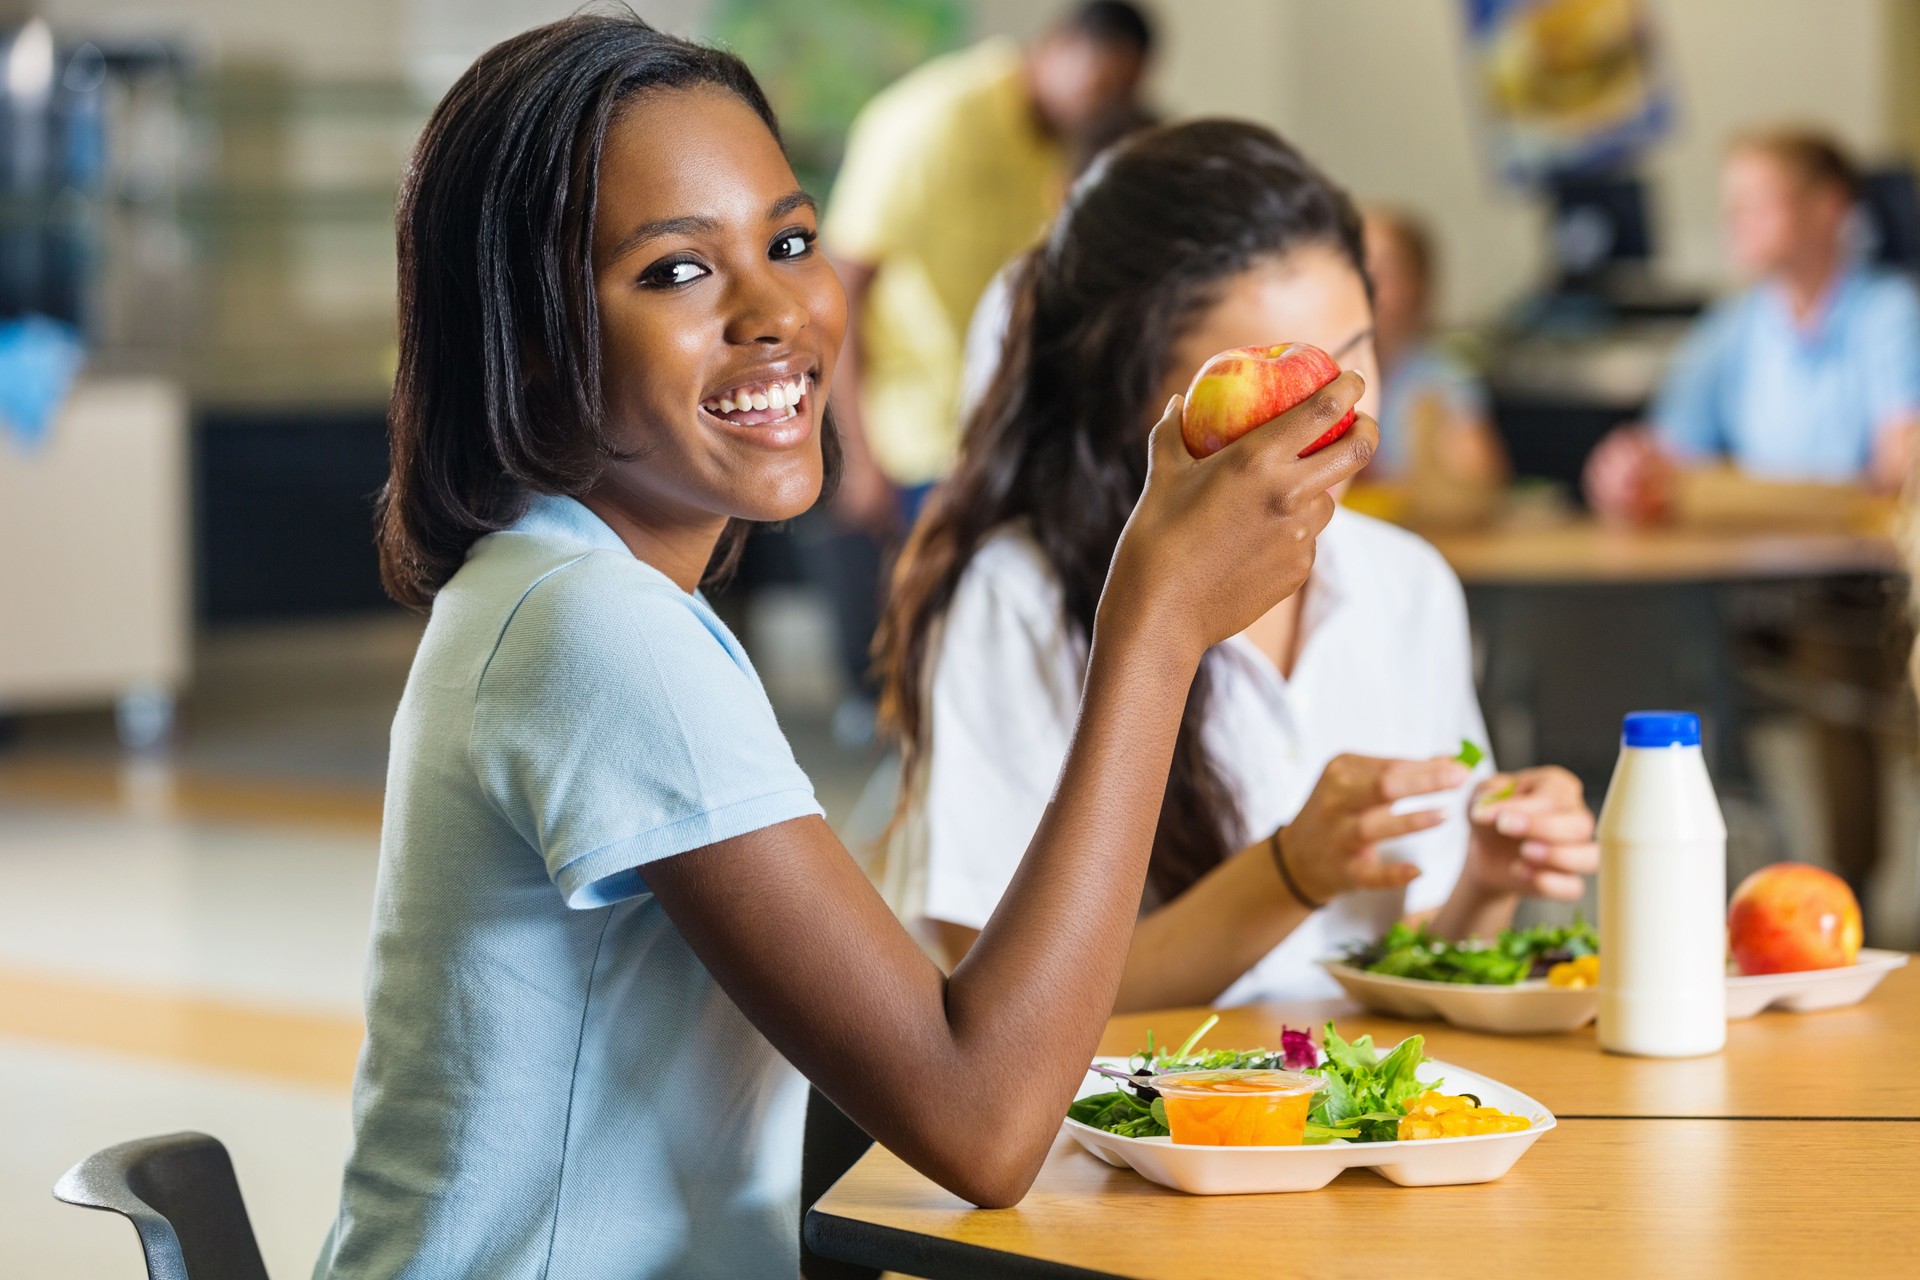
(1354, 82)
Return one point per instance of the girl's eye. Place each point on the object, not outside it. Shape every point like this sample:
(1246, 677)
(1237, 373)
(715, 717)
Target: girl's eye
(665, 275)
(793, 244)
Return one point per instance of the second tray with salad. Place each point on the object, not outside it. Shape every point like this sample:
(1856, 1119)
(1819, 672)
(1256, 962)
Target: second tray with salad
(1542, 980)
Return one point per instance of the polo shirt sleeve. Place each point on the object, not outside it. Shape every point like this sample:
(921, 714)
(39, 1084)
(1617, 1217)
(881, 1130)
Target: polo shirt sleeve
(1005, 697)
(1890, 354)
(885, 197)
(617, 723)
(1690, 413)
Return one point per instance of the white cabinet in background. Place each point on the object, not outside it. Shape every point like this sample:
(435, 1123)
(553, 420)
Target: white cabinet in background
(94, 544)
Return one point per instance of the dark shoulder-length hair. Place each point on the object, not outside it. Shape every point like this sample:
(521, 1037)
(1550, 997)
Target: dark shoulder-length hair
(1148, 238)
(498, 391)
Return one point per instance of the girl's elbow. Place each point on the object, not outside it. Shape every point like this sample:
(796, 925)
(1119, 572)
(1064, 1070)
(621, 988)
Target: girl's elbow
(994, 1175)
(994, 1188)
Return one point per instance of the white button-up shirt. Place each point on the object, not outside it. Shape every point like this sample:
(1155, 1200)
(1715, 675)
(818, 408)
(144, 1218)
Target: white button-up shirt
(1383, 669)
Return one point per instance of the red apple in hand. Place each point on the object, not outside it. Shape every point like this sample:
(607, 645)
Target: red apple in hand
(1238, 390)
(1791, 917)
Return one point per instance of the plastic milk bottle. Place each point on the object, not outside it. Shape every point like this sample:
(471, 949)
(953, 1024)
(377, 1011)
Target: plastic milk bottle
(1663, 895)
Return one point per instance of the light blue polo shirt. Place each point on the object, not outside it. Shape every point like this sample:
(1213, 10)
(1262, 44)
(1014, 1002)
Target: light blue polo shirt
(1789, 403)
(552, 1085)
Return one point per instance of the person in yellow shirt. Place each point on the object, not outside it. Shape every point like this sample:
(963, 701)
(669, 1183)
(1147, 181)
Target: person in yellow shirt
(949, 173)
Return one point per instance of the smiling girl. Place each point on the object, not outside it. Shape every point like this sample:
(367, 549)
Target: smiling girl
(609, 912)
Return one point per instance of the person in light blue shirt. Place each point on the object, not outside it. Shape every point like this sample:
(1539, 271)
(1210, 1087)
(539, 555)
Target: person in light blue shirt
(612, 930)
(1798, 400)
(1812, 374)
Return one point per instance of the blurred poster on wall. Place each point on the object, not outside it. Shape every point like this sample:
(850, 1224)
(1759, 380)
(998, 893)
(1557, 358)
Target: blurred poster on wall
(1567, 86)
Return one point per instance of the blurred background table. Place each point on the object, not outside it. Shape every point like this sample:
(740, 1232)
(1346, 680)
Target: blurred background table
(1587, 553)
(1776, 611)
(1795, 1152)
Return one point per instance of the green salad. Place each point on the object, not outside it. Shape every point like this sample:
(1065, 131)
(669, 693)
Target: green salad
(1362, 1100)
(1409, 952)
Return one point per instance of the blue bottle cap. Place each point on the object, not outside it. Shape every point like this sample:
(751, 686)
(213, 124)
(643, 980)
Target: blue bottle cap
(1660, 729)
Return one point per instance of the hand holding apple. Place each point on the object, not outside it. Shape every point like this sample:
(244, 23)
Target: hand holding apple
(1237, 390)
(1791, 917)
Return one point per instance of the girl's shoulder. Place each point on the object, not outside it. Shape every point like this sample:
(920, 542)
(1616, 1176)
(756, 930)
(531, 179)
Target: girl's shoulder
(532, 607)
(1010, 571)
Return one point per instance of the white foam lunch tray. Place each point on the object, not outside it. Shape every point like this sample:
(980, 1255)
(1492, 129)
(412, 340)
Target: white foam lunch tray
(1428, 1162)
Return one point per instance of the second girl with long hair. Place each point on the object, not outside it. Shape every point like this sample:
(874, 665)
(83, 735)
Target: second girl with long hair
(1282, 832)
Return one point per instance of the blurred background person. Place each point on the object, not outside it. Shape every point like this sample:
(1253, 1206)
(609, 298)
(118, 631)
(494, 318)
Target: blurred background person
(1436, 425)
(987, 330)
(1811, 373)
(948, 174)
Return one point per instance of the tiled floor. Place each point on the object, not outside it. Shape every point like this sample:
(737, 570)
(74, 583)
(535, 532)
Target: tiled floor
(164, 973)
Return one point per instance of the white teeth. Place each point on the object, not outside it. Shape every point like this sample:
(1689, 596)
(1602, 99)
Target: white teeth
(775, 395)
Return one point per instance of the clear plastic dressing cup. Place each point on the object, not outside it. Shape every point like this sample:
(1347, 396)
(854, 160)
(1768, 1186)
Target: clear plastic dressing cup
(1237, 1108)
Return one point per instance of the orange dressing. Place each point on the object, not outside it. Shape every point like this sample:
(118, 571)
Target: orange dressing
(1239, 1109)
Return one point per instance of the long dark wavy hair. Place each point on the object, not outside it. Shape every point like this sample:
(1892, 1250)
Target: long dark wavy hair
(498, 392)
(1149, 237)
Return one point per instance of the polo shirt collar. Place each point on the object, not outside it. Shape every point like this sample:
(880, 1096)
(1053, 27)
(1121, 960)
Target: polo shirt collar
(559, 518)
(1816, 333)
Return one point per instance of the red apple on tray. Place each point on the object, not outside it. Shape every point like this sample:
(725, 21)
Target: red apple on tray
(1790, 917)
(1238, 390)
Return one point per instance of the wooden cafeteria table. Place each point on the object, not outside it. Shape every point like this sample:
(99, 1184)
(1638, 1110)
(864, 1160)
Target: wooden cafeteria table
(1796, 1152)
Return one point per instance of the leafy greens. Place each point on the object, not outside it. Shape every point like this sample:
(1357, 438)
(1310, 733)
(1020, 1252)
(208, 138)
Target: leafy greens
(1410, 952)
(1362, 1099)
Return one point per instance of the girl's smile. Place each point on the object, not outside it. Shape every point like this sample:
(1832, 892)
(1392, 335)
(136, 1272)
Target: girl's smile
(773, 411)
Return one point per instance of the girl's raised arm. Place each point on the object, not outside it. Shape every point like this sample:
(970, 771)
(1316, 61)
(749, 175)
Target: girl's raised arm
(967, 1076)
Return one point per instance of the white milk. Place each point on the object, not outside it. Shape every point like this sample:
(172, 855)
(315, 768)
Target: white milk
(1663, 895)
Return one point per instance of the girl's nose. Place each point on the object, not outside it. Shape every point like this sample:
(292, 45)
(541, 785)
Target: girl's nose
(765, 310)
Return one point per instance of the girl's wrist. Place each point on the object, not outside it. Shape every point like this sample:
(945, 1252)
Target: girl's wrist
(1144, 633)
(1310, 898)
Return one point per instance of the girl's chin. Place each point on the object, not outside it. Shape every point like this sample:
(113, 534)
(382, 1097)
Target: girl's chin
(784, 495)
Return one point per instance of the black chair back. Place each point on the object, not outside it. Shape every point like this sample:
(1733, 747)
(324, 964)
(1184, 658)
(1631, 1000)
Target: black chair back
(183, 1199)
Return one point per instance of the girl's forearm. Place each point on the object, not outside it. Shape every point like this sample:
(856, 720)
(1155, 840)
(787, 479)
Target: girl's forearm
(1195, 947)
(1040, 982)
